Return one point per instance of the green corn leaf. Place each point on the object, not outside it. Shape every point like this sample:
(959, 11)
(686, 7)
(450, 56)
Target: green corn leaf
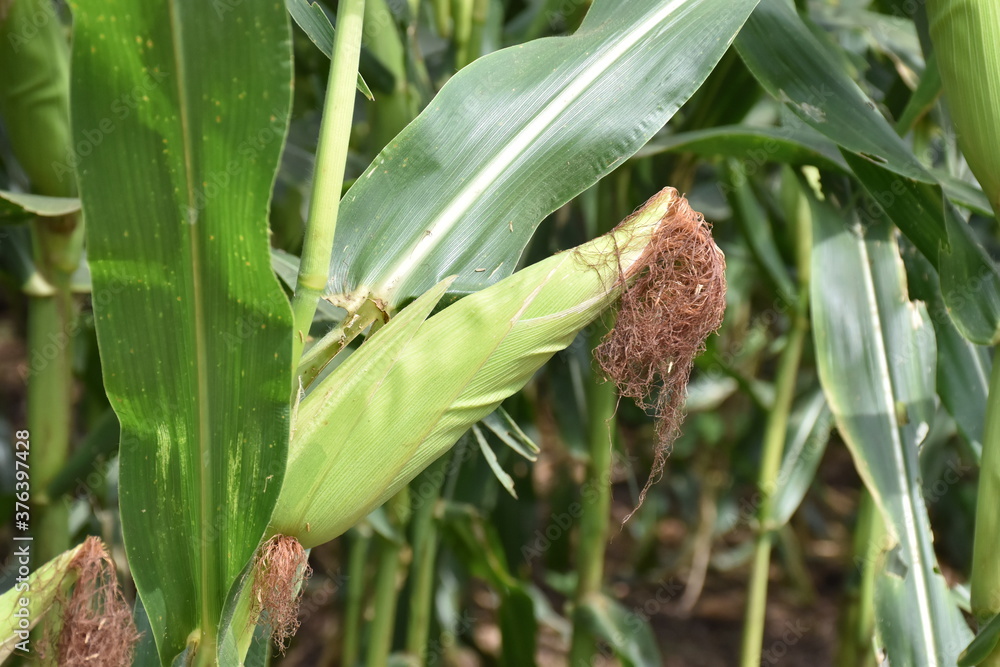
(796, 68)
(875, 354)
(185, 125)
(347, 456)
(515, 135)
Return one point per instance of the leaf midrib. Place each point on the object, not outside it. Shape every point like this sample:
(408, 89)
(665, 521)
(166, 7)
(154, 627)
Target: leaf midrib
(438, 230)
(203, 468)
(909, 519)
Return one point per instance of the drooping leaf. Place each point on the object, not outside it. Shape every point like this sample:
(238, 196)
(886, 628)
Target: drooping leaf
(196, 338)
(515, 135)
(797, 69)
(876, 354)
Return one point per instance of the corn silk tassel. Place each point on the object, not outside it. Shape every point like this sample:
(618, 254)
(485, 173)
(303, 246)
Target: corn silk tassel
(408, 393)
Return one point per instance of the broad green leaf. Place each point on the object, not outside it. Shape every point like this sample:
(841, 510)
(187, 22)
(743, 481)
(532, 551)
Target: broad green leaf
(627, 631)
(515, 135)
(193, 328)
(41, 590)
(967, 275)
(14, 203)
(797, 69)
(317, 27)
(964, 193)
(876, 356)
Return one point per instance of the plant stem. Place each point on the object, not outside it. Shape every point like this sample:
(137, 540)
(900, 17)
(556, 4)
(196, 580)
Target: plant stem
(425, 544)
(328, 181)
(34, 101)
(442, 17)
(593, 537)
(360, 541)
(774, 444)
(387, 582)
(985, 576)
(319, 355)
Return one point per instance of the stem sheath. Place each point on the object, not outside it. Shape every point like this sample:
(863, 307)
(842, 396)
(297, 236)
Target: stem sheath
(331, 158)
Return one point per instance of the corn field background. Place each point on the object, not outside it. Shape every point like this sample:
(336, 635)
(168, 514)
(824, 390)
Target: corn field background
(391, 332)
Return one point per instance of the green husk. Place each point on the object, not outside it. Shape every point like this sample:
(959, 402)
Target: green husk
(966, 37)
(410, 392)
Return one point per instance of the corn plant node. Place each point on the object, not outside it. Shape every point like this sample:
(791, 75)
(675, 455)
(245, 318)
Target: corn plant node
(97, 626)
(673, 297)
(280, 573)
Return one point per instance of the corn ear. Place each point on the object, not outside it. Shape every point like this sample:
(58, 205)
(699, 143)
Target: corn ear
(966, 37)
(77, 598)
(40, 591)
(411, 391)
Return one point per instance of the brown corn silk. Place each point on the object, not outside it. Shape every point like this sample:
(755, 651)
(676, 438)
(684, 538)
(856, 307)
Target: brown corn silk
(281, 570)
(97, 626)
(672, 299)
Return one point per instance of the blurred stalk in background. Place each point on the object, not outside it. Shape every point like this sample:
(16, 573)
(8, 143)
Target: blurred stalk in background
(34, 102)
